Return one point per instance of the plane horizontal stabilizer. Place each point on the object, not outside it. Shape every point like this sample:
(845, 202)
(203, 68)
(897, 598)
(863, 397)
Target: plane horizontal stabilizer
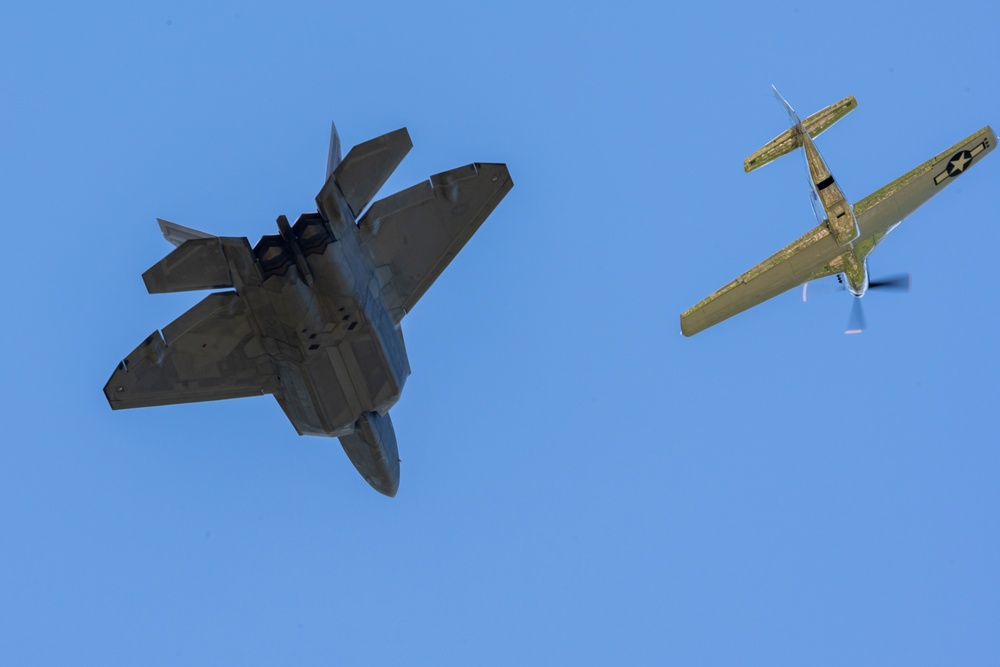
(788, 141)
(367, 166)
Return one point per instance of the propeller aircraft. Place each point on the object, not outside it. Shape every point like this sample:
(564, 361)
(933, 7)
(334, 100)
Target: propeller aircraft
(846, 234)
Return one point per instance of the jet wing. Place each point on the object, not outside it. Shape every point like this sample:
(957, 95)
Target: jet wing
(412, 235)
(211, 352)
(815, 255)
(883, 209)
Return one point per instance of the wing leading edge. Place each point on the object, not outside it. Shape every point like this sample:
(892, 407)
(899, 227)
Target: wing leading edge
(880, 211)
(814, 255)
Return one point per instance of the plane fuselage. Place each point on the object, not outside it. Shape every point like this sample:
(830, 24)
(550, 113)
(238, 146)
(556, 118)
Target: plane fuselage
(833, 210)
(342, 355)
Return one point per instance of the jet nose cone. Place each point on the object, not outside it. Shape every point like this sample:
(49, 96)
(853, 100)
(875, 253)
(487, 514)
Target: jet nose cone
(387, 486)
(372, 450)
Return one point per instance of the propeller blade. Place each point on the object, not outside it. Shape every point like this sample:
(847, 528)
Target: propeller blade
(856, 323)
(899, 283)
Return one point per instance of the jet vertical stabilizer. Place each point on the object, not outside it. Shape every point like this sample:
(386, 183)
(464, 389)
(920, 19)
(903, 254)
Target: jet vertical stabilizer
(333, 158)
(178, 234)
(789, 140)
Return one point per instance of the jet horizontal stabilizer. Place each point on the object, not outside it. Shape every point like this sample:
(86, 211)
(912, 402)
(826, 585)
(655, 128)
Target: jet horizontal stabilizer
(196, 264)
(366, 168)
(788, 141)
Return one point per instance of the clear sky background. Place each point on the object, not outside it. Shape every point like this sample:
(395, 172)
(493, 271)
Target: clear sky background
(580, 484)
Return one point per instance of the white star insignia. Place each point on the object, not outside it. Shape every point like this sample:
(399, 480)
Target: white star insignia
(957, 165)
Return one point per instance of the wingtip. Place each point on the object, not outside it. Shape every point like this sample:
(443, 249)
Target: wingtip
(686, 330)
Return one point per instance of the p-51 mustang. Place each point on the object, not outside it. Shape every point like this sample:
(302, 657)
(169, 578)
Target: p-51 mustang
(846, 235)
(312, 314)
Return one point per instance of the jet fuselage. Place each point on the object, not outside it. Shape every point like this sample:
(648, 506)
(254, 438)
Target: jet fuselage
(342, 353)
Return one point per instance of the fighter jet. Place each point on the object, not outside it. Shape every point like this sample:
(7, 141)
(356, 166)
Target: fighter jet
(312, 315)
(846, 234)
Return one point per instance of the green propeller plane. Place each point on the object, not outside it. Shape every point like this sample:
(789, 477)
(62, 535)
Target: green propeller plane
(846, 234)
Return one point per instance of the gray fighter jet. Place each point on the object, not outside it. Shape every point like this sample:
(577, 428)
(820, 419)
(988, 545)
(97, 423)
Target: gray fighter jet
(312, 314)
(846, 235)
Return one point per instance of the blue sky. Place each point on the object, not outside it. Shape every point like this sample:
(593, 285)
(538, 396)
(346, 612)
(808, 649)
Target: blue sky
(580, 483)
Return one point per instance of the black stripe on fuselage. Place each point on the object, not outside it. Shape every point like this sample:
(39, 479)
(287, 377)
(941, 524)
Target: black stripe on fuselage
(825, 183)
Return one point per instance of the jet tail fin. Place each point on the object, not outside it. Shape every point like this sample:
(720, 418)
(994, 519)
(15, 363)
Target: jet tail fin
(333, 157)
(178, 234)
(789, 140)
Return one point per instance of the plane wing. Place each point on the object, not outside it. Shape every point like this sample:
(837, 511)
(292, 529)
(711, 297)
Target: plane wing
(815, 255)
(880, 211)
(412, 235)
(209, 353)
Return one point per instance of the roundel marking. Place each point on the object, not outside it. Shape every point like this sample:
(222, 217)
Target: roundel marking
(958, 162)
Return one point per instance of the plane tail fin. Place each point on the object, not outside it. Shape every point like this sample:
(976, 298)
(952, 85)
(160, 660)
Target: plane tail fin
(792, 116)
(333, 157)
(178, 234)
(789, 140)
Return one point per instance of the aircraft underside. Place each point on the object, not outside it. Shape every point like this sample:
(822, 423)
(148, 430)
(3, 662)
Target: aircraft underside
(312, 314)
(845, 235)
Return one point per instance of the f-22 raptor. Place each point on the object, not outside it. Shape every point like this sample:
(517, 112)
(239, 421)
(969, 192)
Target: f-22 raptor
(312, 314)
(846, 234)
